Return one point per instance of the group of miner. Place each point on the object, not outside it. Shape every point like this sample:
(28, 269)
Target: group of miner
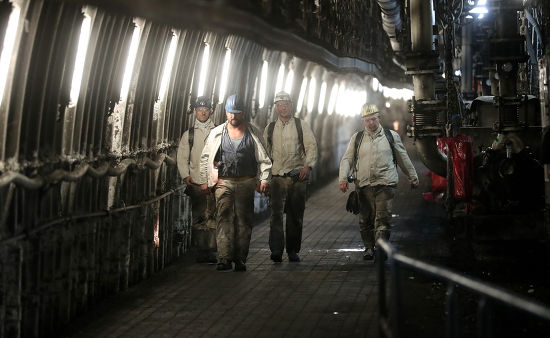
(223, 166)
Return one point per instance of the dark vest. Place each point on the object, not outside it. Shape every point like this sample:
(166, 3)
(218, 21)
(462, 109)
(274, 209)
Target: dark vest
(238, 162)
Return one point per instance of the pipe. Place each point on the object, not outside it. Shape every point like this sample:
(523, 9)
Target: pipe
(431, 156)
(467, 60)
(421, 43)
(535, 25)
(391, 20)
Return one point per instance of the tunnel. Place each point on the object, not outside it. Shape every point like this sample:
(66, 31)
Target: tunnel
(96, 221)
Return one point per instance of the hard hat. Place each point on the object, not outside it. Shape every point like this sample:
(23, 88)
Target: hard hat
(368, 109)
(203, 101)
(234, 104)
(282, 96)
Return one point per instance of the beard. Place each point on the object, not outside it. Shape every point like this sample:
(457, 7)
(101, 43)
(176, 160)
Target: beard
(235, 122)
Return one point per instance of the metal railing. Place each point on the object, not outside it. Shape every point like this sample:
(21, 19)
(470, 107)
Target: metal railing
(390, 322)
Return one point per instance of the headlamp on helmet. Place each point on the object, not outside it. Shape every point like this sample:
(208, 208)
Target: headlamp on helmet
(203, 101)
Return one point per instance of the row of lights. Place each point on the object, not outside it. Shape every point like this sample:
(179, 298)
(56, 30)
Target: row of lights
(479, 9)
(7, 48)
(391, 93)
(342, 100)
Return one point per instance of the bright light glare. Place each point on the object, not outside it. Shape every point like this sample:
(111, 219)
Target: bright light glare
(311, 95)
(375, 84)
(332, 99)
(479, 10)
(225, 75)
(7, 48)
(482, 2)
(350, 101)
(396, 93)
(80, 58)
(388, 104)
(280, 79)
(128, 70)
(288, 82)
(204, 69)
(322, 95)
(302, 95)
(263, 84)
(480, 16)
(340, 99)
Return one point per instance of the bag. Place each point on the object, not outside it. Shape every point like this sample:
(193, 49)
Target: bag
(352, 205)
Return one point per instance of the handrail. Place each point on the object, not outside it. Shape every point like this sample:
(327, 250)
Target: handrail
(488, 292)
(100, 213)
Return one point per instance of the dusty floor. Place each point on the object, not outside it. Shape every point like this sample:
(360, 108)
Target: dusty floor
(332, 292)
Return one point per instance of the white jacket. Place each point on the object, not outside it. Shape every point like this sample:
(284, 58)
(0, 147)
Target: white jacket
(375, 164)
(188, 159)
(213, 143)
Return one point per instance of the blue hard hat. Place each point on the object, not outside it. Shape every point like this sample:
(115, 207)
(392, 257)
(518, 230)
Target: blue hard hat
(234, 104)
(203, 101)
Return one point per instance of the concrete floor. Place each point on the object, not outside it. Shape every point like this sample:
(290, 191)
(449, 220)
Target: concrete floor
(332, 292)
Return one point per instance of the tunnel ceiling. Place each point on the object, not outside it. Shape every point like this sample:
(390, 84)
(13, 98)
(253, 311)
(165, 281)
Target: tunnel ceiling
(341, 35)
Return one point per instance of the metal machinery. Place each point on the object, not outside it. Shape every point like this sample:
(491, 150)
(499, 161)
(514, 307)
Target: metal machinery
(488, 91)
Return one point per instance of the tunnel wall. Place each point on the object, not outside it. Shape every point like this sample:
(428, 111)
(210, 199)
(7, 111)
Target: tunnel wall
(91, 201)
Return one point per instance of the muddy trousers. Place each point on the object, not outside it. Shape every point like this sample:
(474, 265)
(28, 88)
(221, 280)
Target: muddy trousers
(286, 196)
(375, 213)
(203, 210)
(235, 211)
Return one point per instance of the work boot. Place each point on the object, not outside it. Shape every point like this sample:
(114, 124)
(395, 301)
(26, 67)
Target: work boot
(224, 266)
(368, 255)
(293, 257)
(277, 258)
(240, 265)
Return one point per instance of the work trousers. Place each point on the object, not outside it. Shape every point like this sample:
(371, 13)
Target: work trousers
(203, 211)
(375, 213)
(287, 196)
(235, 210)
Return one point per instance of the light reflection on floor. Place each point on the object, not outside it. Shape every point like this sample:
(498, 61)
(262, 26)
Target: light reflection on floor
(351, 250)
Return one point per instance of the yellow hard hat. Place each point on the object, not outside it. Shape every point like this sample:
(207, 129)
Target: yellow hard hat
(368, 109)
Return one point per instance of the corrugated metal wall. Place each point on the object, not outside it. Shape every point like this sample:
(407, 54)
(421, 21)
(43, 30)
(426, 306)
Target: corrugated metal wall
(90, 198)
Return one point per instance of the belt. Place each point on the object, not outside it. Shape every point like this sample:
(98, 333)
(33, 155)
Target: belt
(237, 179)
(292, 173)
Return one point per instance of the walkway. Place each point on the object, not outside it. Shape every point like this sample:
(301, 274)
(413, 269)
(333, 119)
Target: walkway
(331, 293)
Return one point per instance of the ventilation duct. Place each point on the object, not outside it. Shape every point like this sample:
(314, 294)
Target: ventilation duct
(391, 20)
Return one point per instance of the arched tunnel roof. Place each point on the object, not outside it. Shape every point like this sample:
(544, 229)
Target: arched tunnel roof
(328, 36)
